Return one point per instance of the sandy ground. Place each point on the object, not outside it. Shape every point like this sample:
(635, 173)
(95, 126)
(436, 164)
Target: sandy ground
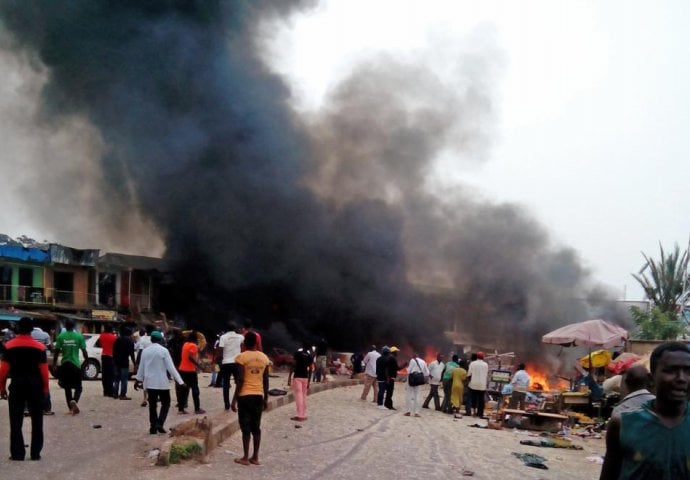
(344, 438)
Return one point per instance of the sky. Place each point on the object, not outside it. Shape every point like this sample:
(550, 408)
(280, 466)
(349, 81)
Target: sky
(591, 105)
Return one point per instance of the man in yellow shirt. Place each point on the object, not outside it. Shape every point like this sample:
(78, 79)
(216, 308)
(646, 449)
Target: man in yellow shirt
(251, 396)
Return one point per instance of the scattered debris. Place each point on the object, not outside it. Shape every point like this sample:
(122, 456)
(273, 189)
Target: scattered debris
(96, 425)
(532, 460)
(277, 392)
(154, 453)
(467, 473)
(551, 443)
(598, 459)
(494, 425)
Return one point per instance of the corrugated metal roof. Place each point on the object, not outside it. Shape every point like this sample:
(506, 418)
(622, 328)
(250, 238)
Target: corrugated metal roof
(27, 254)
(73, 256)
(121, 261)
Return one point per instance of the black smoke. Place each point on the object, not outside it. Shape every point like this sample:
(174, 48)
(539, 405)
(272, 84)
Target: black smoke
(326, 223)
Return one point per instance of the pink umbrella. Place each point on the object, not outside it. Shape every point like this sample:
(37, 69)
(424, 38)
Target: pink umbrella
(593, 333)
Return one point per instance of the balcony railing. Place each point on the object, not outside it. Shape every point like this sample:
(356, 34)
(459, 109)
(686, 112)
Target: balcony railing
(13, 294)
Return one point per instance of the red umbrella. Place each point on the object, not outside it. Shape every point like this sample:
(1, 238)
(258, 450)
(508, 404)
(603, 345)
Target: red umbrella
(623, 362)
(593, 333)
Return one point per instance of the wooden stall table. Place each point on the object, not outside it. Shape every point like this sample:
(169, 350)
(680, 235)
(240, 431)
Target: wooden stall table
(569, 399)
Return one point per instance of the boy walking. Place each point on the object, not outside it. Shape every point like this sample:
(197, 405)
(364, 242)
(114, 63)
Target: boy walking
(69, 343)
(251, 396)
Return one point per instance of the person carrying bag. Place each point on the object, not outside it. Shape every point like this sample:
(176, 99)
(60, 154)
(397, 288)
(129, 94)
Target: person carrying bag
(417, 374)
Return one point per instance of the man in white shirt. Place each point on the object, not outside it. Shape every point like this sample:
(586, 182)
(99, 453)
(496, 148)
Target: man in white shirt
(478, 373)
(231, 345)
(636, 379)
(413, 394)
(154, 366)
(369, 363)
(435, 372)
(143, 342)
(43, 337)
(520, 383)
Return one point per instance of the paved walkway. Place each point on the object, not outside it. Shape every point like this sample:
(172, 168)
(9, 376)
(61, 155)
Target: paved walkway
(344, 438)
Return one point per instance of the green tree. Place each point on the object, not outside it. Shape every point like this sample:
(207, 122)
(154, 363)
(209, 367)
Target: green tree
(662, 281)
(656, 325)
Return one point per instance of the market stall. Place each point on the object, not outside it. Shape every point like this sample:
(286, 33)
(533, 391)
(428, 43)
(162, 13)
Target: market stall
(595, 333)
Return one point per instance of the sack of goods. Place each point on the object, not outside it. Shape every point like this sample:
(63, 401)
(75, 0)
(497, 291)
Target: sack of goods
(416, 379)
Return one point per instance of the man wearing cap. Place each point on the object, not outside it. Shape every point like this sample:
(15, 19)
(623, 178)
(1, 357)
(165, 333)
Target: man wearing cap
(25, 361)
(155, 364)
(478, 374)
(392, 368)
(370, 373)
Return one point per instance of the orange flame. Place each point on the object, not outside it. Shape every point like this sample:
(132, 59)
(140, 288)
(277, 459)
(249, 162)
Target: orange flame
(542, 380)
(428, 356)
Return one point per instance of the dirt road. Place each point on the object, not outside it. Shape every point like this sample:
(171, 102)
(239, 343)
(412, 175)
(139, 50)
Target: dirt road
(344, 438)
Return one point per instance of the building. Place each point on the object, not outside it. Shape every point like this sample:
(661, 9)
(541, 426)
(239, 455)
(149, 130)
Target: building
(56, 278)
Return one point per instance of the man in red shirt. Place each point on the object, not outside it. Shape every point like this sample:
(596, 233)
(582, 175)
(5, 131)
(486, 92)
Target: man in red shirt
(248, 328)
(25, 361)
(107, 340)
(189, 362)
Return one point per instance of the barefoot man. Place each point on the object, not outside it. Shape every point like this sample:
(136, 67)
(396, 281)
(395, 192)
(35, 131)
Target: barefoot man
(251, 396)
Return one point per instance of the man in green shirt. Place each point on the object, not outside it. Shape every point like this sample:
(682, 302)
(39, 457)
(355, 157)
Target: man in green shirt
(447, 380)
(69, 343)
(653, 442)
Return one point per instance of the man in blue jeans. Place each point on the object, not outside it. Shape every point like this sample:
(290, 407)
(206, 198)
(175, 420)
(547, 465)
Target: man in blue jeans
(123, 352)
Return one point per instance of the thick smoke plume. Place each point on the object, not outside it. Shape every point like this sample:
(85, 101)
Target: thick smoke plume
(329, 224)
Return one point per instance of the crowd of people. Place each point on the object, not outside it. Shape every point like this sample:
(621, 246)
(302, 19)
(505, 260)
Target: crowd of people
(646, 436)
(154, 359)
(463, 384)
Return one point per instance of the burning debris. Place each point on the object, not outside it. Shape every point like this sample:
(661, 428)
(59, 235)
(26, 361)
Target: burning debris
(543, 380)
(324, 224)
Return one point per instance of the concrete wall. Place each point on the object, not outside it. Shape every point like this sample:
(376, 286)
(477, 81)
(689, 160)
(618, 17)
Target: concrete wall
(642, 347)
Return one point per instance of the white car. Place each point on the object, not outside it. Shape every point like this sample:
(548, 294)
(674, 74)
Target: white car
(91, 368)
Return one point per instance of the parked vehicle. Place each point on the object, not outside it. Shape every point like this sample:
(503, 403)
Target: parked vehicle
(280, 358)
(91, 368)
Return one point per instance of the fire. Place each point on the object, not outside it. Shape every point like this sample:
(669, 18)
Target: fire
(541, 380)
(429, 356)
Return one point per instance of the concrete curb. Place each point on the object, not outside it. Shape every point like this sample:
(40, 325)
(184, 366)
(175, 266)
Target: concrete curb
(223, 427)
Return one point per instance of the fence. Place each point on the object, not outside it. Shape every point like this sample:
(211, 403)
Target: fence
(13, 294)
